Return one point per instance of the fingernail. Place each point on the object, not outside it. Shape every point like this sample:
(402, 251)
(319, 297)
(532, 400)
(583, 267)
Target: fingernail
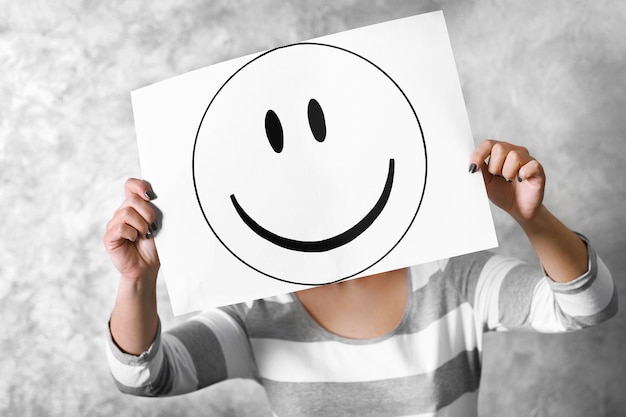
(148, 234)
(473, 168)
(150, 194)
(154, 227)
(519, 179)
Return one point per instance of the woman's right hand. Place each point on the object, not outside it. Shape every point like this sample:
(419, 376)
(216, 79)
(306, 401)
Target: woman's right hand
(128, 238)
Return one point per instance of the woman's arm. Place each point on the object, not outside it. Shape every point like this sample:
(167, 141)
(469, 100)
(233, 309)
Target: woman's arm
(208, 348)
(509, 294)
(128, 241)
(515, 182)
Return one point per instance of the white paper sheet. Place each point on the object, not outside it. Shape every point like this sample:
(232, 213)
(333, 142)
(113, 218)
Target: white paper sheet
(315, 162)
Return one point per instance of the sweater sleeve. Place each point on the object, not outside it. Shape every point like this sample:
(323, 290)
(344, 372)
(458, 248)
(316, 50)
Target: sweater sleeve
(508, 294)
(210, 347)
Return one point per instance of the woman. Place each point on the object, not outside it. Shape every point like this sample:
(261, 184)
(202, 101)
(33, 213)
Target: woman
(403, 342)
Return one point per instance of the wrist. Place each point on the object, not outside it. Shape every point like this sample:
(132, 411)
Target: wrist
(142, 277)
(539, 220)
(562, 253)
(141, 288)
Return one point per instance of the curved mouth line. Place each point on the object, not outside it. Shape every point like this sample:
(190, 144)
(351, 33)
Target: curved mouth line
(325, 244)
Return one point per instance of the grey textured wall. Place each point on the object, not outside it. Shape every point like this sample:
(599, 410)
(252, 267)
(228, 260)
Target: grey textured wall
(549, 75)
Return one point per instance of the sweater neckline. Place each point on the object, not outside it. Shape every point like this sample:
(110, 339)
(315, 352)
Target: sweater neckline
(327, 335)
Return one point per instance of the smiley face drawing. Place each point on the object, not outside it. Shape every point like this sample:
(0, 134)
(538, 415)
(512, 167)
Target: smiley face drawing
(309, 164)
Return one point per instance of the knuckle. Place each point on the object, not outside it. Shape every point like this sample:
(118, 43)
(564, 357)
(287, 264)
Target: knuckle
(536, 165)
(117, 229)
(516, 156)
(129, 183)
(502, 146)
(133, 185)
(489, 143)
(124, 212)
(137, 208)
(498, 147)
(113, 233)
(135, 202)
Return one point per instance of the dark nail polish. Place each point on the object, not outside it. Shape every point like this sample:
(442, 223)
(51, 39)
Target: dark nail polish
(151, 195)
(519, 179)
(473, 168)
(154, 227)
(148, 234)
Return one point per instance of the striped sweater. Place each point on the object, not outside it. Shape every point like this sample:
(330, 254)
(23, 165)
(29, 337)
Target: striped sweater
(429, 365)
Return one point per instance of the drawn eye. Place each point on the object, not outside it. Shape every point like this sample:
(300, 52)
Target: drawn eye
(316, 120)
(274, 131)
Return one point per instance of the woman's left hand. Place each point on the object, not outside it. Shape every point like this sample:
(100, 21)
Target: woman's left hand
(515, 181)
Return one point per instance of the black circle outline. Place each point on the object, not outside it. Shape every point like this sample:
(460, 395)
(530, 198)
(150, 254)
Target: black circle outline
(421, 134)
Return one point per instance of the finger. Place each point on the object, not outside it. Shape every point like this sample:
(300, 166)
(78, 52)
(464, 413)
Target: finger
(487, 177)
(144, 208)
(498, 155)
(480, 154)
(139, 187)
(515, 159)
(118, 233)
(532, 169)
(128, 215)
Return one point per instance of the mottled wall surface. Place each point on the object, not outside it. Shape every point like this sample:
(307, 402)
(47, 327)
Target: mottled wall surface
(548, 75)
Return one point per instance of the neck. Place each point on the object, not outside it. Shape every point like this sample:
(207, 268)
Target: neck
(361, 308)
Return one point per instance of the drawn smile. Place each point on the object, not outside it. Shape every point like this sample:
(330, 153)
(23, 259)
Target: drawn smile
(325, 244)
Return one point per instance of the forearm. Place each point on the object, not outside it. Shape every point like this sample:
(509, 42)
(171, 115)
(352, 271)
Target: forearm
(562, 253)
(134, 320)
